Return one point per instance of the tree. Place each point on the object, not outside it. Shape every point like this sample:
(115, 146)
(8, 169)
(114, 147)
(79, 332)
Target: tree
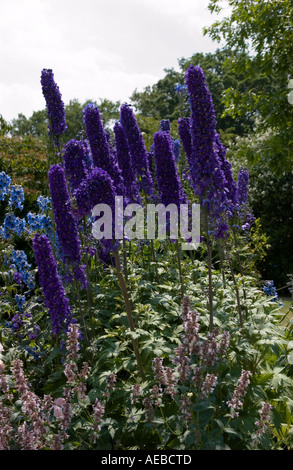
(259, 35)
(37, 124)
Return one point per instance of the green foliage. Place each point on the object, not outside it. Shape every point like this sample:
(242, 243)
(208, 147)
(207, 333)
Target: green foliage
(25, 160)
(264, 60)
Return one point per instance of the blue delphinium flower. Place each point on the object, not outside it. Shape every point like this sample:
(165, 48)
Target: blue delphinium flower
(54, 104)
(5, 182)
(270, 290)
(16, 197)
(18, 264)
(20, 301)
(44, 203)
(40, 223)
(12, 225)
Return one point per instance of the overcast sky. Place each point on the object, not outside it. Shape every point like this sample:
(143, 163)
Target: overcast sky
(96, 48)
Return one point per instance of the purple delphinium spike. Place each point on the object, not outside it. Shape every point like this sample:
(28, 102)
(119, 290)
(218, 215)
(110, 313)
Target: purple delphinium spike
(165, 125)
(75, 162)
(169, 183)
(54, 103)
(231, 186)
(124, 162)
(207, 176)
(185, 136)
(50, 281)
(242, 186)
(208, 179)
(138, 151)
(66, 225)
(96, 188)
(100, 147)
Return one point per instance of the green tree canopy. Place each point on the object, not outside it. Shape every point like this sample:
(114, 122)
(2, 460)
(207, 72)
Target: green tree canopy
(259, 35)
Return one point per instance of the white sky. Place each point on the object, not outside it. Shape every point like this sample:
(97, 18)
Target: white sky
(96, 48)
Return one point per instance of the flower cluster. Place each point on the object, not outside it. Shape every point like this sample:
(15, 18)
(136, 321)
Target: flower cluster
(5, 182)
(240, 391)
(53, 290)
(16, 197)
(270, 290)
(102, 155)
(242, 186)
(54, 104)
(95, 189)
(170, 187)
(19, 267)
(192, 361)
(124, 162)
(39, 223)
(66, 225)
(208, 178)
(138, 151)
(75, 156)
(12, 225)
(264, 419)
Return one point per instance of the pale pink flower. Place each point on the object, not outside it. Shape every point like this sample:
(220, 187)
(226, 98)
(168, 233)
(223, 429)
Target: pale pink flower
(2, 367)
(58, 413)
(59, 401)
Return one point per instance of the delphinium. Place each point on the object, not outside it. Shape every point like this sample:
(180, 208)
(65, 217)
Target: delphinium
(55, 106)
(19, 268)
(16, 197)
(138, 151)
(75, 154)
(244, 215)
(5, 182)
(185, 138)
(95, 189)
(132, 194)
(66, 225)
(208, 179)
(12, 225)
(41, 222)
(55, 296)
(125, 164)
(170, 187)
(101, 152)
(165, 126)
(270, 290)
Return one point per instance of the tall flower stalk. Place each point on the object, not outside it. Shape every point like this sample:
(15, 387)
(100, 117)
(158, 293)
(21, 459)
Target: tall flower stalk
(170, 187)
(98, 188)
(207, 178)
(54, 293)
(102, 155)
(55, 107)
(66, 225)
(138, 151)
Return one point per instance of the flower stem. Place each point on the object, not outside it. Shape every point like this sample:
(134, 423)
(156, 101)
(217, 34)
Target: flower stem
(209, 262)
(128, 311)
(179, 270)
